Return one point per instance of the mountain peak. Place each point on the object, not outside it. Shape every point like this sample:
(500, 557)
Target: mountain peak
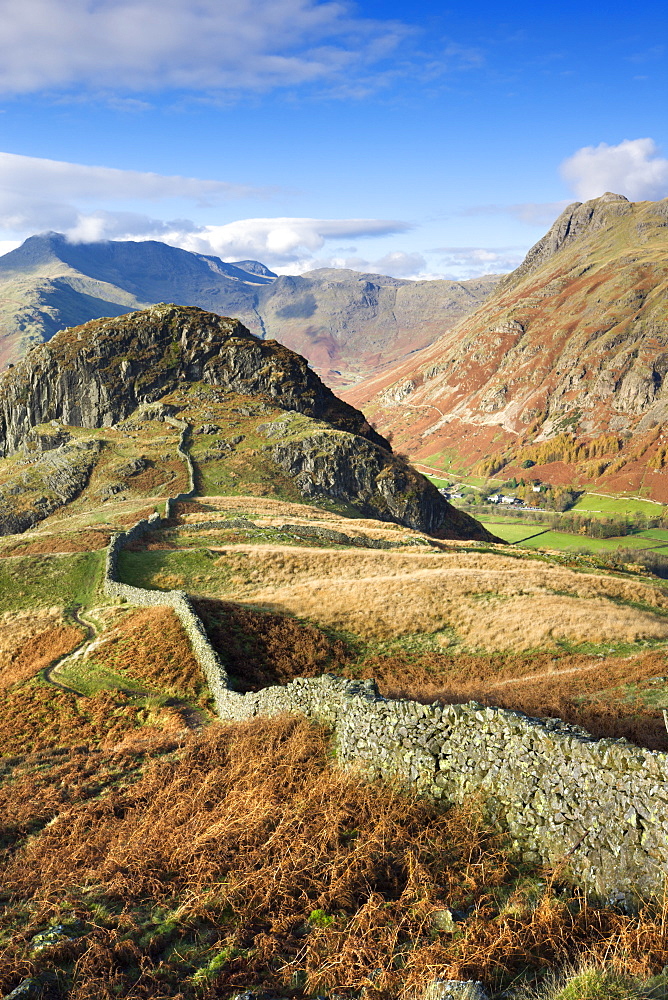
(254, 267)
(578, 220)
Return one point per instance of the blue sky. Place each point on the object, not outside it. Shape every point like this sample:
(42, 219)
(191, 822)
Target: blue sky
(441, 142)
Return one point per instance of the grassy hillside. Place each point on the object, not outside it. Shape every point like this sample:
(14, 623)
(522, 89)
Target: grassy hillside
(149, 851)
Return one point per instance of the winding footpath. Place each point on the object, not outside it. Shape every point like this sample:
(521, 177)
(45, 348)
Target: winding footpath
(91, 634)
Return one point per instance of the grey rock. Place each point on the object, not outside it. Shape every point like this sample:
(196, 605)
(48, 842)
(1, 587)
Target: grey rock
(26, 990)
(455, 989)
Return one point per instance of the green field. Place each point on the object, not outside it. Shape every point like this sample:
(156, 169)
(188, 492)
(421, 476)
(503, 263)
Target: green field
(44, 581)
(456, 481)
(658, 534)
(536, 536)
(607, 506)
(513, 532)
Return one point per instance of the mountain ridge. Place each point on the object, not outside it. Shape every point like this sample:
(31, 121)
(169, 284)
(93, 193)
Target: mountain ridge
(571, 348)
(346, 323)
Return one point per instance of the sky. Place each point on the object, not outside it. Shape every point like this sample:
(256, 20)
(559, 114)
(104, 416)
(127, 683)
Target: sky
(440, 142)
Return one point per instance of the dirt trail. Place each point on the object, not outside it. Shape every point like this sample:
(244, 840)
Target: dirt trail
(90, 636)
(545, 675)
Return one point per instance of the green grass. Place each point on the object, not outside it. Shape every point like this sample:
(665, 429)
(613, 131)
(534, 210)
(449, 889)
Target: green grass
(567, 542)
(87, 678)
(48, 580)
(514, 532)
(536, 536)
(659, 533)
(606, 506)
(184, 539)
(170, 570)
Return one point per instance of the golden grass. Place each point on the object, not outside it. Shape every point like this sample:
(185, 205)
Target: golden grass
(150, 645)
(30, 640)
(491, 600)
(245, 861)
(272, 513)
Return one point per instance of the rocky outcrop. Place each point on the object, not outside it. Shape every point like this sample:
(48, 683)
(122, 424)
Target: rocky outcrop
(44, 484)
(97, 374)
(355, 471)
(577, 220)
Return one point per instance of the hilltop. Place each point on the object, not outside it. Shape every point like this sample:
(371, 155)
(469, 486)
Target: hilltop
(346, 323)
(562, 369)
(96, 375)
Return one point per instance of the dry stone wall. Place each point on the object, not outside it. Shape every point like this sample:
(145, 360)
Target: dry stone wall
(597, 807)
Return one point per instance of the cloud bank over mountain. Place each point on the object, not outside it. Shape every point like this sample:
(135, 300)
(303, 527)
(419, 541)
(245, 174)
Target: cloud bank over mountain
(283, 240)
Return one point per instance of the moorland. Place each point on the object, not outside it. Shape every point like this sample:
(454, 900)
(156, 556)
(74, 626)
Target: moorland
(148, 850)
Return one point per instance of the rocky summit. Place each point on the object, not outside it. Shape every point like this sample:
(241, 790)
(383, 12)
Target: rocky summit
(98, 374)
(563, 367)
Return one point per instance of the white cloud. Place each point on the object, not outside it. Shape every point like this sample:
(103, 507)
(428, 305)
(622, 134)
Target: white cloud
(633, 168)
(104, 225)
(281, 241)
(400, 264)
(38, 194)
(460, 263)
(131, 45)
(27, 174)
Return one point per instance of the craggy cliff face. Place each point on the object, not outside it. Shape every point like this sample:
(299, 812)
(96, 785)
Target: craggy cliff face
(97, 374)
(572, 346)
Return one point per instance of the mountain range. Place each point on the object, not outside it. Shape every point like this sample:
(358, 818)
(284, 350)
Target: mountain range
(561, 370)
(559, 367)
(346, 323)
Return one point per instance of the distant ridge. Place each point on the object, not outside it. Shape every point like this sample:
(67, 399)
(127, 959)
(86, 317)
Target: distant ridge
(255, 267)
(347, 324)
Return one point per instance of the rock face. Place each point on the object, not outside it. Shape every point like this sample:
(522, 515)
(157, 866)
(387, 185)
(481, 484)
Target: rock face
(99, 373)
(43, 483)
(571, 348)
(345, 323)
(346, 468)
(577, 221)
